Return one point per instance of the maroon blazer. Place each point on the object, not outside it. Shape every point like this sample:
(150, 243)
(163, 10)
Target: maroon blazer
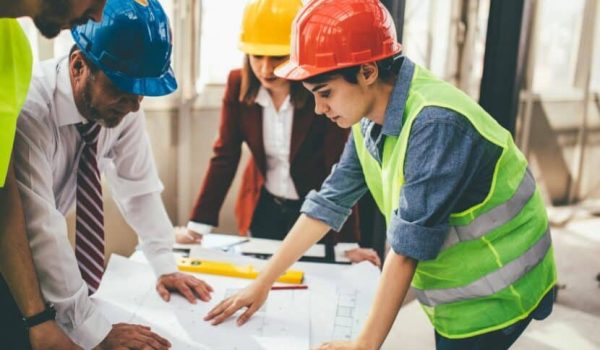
(316, 146)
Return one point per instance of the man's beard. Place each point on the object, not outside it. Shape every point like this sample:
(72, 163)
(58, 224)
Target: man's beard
(51, 19)
(92, 114)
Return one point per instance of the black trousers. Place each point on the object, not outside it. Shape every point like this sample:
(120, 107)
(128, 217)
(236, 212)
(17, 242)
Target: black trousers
(13, 335)
(273, 216)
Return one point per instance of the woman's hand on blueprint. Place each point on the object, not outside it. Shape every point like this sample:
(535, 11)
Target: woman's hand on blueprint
(340, 345)
(251, 297)
(361, 254)
(184, 235)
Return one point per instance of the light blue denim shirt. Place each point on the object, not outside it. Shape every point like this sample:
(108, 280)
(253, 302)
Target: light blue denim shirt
(449, 168)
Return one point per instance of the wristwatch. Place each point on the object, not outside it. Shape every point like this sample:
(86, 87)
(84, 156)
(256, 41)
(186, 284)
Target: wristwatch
(48, 314)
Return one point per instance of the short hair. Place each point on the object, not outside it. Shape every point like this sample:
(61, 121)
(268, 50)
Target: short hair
(93, 68)
(388, 69)
(250, 86)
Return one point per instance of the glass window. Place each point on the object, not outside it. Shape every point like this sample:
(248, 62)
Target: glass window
(219, 37)
(63, 43)
(416, 39)
(435, 37)
(41, 47)
(32, 34)
(558, 33)
(595, 78)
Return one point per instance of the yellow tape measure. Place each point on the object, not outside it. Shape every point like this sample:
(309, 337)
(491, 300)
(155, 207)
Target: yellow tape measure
(227, 269)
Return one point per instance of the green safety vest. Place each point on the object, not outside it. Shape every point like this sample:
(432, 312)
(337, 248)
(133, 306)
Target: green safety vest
(497, 262)
(15, 74)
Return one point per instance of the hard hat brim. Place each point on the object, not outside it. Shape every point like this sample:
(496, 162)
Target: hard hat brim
(291, 70)
(264, 49)
(145, 86)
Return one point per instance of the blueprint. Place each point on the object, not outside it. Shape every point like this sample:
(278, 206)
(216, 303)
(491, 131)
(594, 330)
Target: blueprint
(340, 305)
(334, 307)
(340, 295)
(127, 294)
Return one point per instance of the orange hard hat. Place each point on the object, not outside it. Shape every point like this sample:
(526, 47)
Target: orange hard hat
(333, 34)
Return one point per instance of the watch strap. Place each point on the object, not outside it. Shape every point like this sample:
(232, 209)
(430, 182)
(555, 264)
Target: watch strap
(48, 314)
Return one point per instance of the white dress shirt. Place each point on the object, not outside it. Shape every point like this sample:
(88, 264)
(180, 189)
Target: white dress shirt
(277, 139)
(47, 149)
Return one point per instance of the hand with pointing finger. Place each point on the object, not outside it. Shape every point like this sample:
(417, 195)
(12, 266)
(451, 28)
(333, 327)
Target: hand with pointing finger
(252, 297)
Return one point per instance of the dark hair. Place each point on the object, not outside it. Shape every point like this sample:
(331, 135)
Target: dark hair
(388, 69)
(250, 86)
(93, 68)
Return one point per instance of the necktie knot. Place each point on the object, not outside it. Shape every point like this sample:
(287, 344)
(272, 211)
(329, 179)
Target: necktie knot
(89, 132)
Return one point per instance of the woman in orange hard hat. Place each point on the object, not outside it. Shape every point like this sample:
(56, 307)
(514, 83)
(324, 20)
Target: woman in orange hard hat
(292, 149)
(465, 220)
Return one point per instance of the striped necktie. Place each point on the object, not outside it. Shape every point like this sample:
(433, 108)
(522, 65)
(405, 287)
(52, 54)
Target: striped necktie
(89, 227)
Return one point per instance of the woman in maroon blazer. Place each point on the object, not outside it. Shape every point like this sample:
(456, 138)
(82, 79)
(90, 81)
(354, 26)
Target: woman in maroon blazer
(292, 148)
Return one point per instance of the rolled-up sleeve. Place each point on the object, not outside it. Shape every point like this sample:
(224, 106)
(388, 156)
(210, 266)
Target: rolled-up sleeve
(344, 186)
(443, 158)
(414, 240)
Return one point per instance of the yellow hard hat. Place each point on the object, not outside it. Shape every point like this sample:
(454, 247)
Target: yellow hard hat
(267, 27)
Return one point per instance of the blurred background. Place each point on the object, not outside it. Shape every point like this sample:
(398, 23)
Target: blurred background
(533, 64)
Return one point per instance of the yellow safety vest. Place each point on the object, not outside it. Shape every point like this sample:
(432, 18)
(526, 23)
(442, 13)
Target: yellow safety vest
(497, 261)
(15, 74)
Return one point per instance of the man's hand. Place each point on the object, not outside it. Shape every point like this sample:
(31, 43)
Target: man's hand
(361, 254)
(185, 236)
(49, 336)
(188, 286)
(131, 336)
(251, 297)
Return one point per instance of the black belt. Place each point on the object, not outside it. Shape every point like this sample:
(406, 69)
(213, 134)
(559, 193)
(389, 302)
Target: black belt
(281, 200)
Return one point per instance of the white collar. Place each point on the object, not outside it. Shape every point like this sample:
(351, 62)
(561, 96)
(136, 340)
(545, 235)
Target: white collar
(66, 109)
(263, 98)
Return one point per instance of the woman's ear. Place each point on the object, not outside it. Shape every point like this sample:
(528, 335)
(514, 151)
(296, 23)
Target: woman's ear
(369, 72)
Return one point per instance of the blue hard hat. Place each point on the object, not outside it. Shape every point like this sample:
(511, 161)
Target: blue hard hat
(132, 45)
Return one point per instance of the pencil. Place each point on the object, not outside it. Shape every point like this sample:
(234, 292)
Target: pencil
(231, 245)
(302, 286)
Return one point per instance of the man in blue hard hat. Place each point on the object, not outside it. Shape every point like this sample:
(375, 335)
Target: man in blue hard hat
(82, 118)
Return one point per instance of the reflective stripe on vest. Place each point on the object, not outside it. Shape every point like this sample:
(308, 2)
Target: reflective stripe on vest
(493, 282)
(496, 217)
